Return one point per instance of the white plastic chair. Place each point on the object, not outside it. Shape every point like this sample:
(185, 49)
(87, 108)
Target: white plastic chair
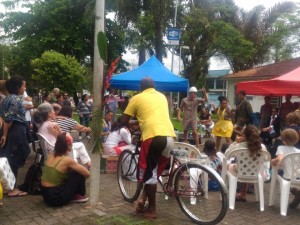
(192, 153)
(46, 146)
(248, 171)
(293, 160)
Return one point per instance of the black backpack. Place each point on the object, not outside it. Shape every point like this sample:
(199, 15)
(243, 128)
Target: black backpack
(32, 182)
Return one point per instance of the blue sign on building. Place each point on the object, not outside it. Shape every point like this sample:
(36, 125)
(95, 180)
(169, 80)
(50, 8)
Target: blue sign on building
(173, 35)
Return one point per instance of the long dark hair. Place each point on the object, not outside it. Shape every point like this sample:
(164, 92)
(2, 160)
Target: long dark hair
(253, 141)
(61, 145)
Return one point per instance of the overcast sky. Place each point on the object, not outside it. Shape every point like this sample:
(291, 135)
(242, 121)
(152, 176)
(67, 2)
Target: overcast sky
(249, 4)
(246, 4)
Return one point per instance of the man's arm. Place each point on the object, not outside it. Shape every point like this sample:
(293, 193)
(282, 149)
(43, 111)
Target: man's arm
(180, 109)
(178, 114)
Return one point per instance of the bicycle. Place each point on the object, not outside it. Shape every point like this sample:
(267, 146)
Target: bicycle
(188, 179)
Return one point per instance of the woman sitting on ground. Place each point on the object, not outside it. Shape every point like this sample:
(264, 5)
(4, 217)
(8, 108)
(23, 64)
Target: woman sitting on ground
(250, 139)
(44, 118)
(63, 179)
(119, 139)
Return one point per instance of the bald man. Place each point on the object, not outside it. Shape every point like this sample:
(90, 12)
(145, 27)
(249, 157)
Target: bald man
(151, 110)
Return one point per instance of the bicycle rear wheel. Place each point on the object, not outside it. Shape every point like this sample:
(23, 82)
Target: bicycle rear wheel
(126, 175)
(201, 193)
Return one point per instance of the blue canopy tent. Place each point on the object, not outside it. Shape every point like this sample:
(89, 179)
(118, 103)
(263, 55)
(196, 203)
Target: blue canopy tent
(163, 78)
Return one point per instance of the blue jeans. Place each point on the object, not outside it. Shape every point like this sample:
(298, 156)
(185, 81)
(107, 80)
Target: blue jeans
(84, 120)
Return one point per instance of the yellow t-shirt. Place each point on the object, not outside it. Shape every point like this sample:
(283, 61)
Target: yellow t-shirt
(151, 109)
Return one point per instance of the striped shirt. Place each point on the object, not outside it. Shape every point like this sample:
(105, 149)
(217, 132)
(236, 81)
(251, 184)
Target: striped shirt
(66, 124)
(84, 108)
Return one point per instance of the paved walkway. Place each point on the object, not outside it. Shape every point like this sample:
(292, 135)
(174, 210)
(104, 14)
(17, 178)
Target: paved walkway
(112, 209)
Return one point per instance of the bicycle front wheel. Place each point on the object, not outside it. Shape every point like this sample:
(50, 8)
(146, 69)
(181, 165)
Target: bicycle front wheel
(126, 175)
(201, 193)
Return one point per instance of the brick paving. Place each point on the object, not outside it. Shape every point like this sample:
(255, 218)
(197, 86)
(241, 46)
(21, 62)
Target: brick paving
(112, 209)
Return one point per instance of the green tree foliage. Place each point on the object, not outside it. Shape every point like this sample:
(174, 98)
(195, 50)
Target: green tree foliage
(269, 30)
(146, 22)
(207, 32)
(5, 57)
(54, 69)
(245, 39)
(65, 26)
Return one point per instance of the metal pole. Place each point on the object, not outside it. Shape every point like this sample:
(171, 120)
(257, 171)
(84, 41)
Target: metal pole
(97, 89)
(174, 25)
(172, 63)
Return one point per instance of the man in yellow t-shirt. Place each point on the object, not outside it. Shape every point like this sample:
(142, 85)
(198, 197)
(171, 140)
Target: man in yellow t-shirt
(151, 110)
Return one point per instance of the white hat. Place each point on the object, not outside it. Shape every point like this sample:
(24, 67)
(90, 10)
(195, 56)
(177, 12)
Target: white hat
(193, 89)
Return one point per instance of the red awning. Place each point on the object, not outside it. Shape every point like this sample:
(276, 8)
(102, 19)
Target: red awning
(288, 83)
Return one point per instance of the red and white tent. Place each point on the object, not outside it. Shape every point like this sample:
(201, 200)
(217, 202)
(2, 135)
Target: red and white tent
(288, 83)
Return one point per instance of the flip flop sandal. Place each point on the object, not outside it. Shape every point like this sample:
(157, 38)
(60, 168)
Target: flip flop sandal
(18, 194)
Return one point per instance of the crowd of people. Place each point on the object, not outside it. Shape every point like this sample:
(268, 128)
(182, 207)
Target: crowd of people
(52, 119)
(277, 132)
(67, 166)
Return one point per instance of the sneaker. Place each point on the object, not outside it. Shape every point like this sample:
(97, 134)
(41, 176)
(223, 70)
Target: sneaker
(79, 138)
(79, 199)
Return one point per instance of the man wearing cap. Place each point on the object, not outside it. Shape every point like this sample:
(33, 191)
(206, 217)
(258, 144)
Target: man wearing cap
(189, 106)
(151, 110)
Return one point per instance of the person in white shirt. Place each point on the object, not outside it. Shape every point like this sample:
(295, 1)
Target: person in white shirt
(117, 141)
(289, 138)
(43, 117)
(28, 105)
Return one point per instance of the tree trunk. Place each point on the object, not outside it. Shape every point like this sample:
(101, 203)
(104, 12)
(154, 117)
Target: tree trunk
(158, 41)
(142, 56)
(97, 92)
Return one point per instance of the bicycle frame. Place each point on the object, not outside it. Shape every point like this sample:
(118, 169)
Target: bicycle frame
(186, 179)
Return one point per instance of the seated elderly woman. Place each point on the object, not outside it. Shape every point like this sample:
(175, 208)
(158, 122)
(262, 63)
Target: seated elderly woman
(63, 179)
(44, 118)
